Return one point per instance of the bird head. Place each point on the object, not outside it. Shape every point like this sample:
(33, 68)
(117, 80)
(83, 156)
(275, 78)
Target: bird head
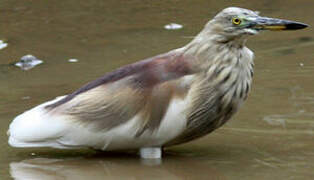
(234, 22)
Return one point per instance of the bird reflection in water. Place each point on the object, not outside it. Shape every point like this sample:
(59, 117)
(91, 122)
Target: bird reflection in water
(112, 168)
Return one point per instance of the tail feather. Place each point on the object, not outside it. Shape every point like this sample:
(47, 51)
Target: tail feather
(40, 128)
(36, 128)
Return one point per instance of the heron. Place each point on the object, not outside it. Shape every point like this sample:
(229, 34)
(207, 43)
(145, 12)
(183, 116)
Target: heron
(165, 100)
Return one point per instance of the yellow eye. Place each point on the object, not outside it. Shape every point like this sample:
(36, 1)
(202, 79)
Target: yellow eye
(236, 21)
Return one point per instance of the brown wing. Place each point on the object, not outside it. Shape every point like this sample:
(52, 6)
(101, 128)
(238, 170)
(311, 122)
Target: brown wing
(143, 89)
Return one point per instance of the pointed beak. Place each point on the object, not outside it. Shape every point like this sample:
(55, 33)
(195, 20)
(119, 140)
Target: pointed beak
(265, 23)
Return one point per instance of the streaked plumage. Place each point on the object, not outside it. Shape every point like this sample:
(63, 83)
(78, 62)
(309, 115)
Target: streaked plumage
(161, 101)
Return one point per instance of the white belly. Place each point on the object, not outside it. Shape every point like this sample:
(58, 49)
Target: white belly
(173, 123)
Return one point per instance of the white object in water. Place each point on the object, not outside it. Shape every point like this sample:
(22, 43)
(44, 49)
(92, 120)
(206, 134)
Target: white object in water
(173, 26)
(3, 44)
(73, 60)
(27, 62)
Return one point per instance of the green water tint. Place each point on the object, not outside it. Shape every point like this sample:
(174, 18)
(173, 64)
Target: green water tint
(270, 138)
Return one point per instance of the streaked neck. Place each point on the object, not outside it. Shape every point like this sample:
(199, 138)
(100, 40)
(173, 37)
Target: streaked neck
(210, 47)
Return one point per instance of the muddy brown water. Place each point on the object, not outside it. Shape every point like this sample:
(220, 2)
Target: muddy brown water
(272, 137)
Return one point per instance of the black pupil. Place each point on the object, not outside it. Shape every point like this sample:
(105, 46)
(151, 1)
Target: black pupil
(236, 20)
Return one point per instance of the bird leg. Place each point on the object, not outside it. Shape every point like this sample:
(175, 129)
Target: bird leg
(150, 152)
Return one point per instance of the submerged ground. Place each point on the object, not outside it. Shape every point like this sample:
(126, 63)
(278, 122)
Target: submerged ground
(270, 138)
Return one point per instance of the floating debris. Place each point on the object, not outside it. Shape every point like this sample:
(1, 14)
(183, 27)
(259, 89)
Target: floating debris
(301, 64)
(27, 62)
(33, 154)
(3, 44)
(26, 97)
(301, 111)
(173, 26)
(73, 60)
(276, 120)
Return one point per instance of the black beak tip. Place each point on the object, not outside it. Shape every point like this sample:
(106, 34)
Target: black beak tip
(296, 25)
